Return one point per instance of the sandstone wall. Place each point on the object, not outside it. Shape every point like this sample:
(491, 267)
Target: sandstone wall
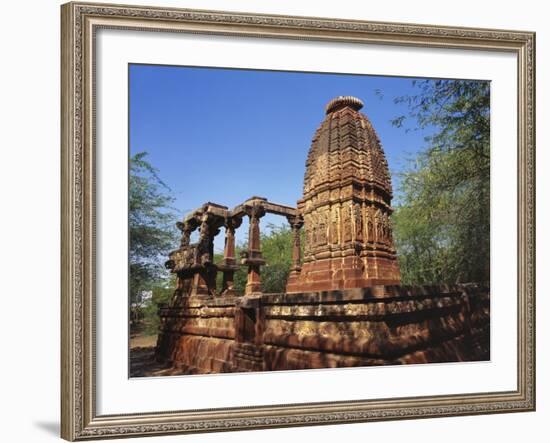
(360, 327)
(198, 334)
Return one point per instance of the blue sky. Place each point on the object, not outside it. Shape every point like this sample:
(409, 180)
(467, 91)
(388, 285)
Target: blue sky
(223, 135)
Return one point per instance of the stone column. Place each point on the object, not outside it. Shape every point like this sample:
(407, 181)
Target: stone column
(253, 257)
(186, 227)
(229, 264)
(205, 241)
(186, 230)
(296, 224)
(203, 283)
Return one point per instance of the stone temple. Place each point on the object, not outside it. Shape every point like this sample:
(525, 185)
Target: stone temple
(346, 206)
(343, 305)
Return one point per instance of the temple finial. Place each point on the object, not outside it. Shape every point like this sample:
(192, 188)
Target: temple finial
(343, 101)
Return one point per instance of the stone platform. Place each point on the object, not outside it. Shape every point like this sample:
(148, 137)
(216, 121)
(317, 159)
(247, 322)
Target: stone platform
(380, 325)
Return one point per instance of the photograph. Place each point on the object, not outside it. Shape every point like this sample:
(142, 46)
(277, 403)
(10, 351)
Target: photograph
(283, 217)
(285, 220)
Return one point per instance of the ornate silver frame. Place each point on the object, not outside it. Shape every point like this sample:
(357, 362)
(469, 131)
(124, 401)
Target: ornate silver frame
(79, 420)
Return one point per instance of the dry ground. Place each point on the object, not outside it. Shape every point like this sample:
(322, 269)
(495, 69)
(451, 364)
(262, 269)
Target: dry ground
(142, 358)
(143, 341)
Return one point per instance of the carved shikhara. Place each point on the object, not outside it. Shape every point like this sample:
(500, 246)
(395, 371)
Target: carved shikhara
(79, 22)
(346, 206)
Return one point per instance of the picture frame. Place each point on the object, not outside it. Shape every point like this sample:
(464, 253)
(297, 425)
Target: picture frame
(80, 24)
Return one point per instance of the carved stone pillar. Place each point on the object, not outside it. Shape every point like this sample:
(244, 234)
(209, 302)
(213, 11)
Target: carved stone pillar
(296, 224)
(253, 257)
(186, 229)
(204, 280)
(205, 242)
(229, 263)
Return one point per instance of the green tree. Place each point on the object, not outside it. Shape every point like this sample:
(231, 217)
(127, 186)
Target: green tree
(277, 252)
(152, 233)
(161, 294)
(441, 222)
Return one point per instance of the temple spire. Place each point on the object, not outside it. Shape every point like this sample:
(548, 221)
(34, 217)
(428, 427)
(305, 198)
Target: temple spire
(346, 205)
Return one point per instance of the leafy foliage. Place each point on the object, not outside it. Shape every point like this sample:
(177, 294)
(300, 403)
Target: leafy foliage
(152, 234)
(277, 251)
(162, 293)
(441, 222)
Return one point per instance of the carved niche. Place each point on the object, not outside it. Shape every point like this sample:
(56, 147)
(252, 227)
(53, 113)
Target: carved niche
(322, 228)
(358, 222)
(346, 222)
(370, 225)
(378, 225)
(335, 225)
